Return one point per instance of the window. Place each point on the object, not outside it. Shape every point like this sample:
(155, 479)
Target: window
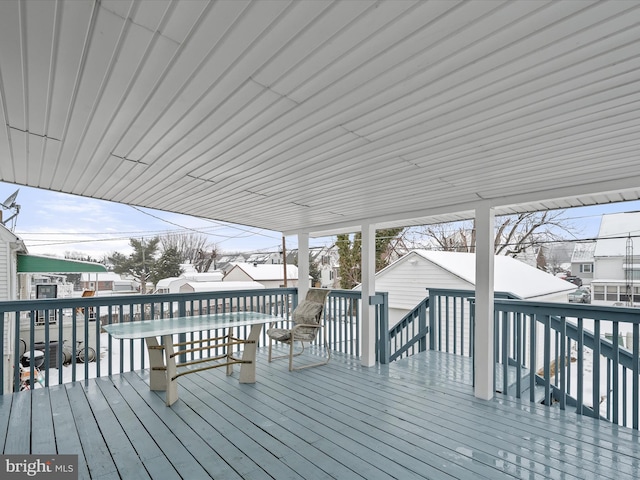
(586, 268)
(612, 293)
(598, 292)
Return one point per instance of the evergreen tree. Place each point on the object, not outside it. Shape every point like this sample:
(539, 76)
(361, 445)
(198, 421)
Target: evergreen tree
(350, 251)
(140, 263)
(168, 265)
(314, 271)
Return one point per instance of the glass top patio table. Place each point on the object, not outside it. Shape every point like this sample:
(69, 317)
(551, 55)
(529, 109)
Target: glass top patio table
(170, 326)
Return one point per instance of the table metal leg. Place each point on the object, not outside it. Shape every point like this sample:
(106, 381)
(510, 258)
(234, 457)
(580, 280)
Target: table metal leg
(248, 370)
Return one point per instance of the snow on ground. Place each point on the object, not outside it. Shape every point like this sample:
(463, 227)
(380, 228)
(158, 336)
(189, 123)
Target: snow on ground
(117, 354)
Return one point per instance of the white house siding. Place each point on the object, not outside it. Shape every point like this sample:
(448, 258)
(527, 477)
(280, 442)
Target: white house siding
(239, 275)
(407, 281)
(8, 291)
(609, 268)
(5, 285)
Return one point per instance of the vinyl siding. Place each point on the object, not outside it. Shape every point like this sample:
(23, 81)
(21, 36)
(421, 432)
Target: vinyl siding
(407, 283)
(609, 268)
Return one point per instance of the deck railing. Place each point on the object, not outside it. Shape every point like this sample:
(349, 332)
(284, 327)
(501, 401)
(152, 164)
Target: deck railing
(561, 354)
(582, 356)
(409, 336)
(441, 321)
(66, 329)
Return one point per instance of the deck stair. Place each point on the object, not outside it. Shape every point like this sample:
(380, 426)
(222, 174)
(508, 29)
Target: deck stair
(512, 384)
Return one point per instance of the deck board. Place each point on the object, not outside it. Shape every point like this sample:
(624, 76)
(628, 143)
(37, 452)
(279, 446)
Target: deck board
(479, 433)
(41, 416)
(413, 419)
(19, 428)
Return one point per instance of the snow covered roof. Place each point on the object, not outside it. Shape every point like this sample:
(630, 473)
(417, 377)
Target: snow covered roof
(102, 277)
(268, 271)
(614, 230)
(220, 286)
(213, 276)
(165, 282)
(510, 275)
(583, 252)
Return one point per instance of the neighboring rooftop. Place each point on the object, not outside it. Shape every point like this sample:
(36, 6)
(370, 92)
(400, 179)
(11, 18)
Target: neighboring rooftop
(510, 275)
(583, 252)
(258, 271)
(615, 229)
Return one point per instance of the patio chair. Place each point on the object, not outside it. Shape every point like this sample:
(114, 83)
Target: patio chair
(307, 321)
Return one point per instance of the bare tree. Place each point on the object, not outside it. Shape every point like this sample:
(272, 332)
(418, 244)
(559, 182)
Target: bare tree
(191, 247)
(514, 233)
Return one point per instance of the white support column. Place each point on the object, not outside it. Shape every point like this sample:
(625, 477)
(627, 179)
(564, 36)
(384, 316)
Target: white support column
(303, 265)
(368, 262)
(483, 336)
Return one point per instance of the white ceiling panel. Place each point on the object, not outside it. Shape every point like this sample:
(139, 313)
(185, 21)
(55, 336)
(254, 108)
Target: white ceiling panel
(318, 116)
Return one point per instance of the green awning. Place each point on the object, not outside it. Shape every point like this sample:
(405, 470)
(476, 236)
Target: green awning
(37, 264)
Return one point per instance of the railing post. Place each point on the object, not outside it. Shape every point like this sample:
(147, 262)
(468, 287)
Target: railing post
(182, 312)
(422, 325)
(432, 323)
(636, 375)
(382, 312)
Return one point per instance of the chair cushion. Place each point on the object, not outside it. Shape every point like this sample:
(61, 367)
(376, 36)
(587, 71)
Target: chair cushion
(279, 334)
(308, 312)
(284, 334)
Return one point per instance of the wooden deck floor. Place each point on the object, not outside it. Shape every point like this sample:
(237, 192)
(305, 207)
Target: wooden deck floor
(414, 419)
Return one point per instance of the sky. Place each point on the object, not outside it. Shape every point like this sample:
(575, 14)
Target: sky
(52, 223)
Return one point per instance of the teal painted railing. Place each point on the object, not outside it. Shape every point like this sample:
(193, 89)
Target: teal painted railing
(567, 351)
(555, 353)
(407, 337)
(38, 323)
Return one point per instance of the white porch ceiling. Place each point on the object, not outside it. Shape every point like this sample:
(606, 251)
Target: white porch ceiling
(317, 115)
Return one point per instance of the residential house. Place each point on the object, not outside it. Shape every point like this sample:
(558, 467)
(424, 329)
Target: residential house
(226, 262)
(616, 260)
(265, 257)
(10, 246)
(170, 285)
(269, 275)
(326, 260)
(194, 287)
(107, 282)
(406, 279)
(582, 261)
